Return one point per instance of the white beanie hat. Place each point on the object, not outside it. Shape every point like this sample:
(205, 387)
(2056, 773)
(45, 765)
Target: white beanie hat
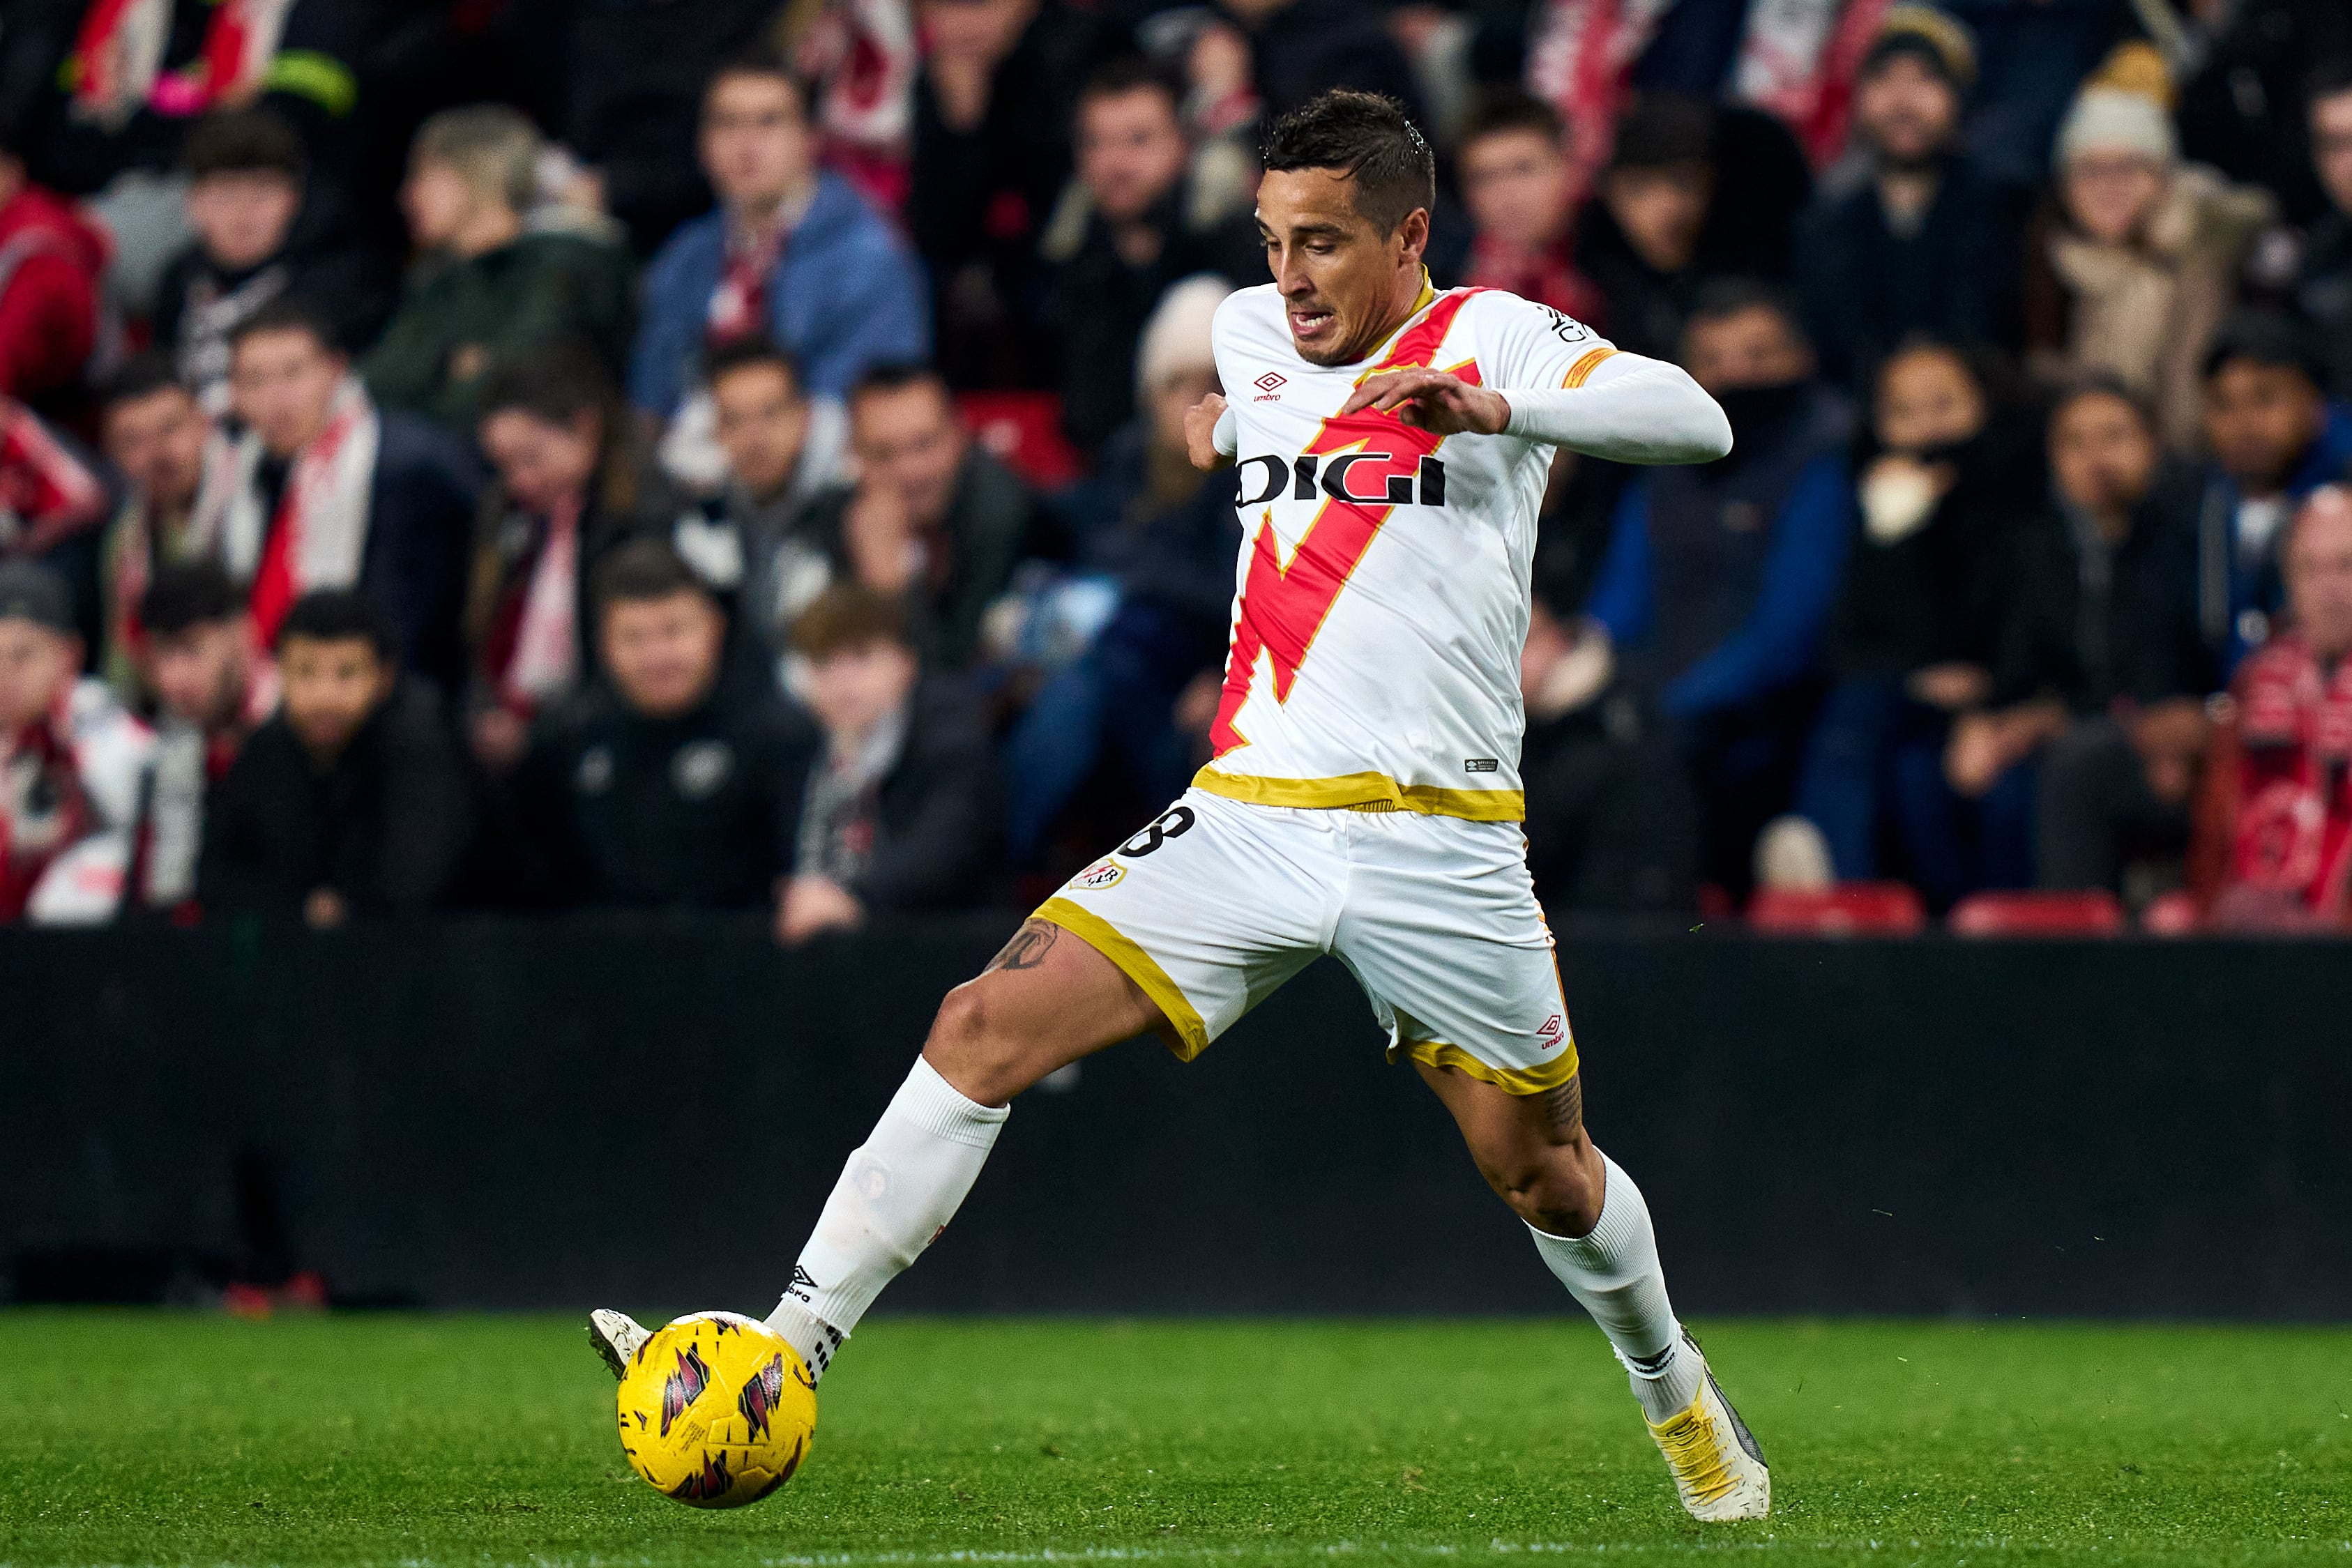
(2111, 120)
(1176, 338)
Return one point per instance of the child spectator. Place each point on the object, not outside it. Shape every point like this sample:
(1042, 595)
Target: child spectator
(212, 689)
(901, 812)
(1911, 639)
(1926, 243)
(792, 251)
(1134, 241)
(487, 286)
(2274, 438)
(1514, 171)
(661, 788)
(162, 443)
(325, 490)
(51, 259)
(573, 482)
(71, 762)
(2132, 269)
(352, 801)
(1719, 579)
(2099, 659)
(2273, 842)
(248, 180)
(2324, 292)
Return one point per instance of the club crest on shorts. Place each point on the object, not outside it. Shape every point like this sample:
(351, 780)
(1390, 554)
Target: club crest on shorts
(1103, 873)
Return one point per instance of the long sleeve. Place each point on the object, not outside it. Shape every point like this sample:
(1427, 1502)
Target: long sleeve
(1779, 640)
(1629, 409)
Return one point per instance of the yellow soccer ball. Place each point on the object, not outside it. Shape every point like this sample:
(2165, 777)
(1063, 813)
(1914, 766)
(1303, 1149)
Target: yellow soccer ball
(717, 1410)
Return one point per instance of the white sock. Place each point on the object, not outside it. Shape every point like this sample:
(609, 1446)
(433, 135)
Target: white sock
(898, 1191)
(1614, 1273)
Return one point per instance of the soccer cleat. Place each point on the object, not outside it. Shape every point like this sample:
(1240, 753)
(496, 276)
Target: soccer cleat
(618, 1337)
(1718, 1470)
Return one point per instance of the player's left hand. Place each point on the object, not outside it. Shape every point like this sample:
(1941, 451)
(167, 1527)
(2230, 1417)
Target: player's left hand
(1432, 401)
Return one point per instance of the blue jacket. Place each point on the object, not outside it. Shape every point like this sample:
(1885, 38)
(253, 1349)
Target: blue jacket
(847, 294)
(2235, 600)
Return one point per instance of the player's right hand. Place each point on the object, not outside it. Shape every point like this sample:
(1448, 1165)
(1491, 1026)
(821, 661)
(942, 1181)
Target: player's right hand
(1200, 433)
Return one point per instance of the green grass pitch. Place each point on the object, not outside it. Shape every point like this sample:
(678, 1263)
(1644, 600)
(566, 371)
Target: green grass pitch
(136, 1438)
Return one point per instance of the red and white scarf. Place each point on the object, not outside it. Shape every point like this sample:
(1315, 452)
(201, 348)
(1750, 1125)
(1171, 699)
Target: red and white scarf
(319, 534)
(544, 660)
(118, 59)
(47, 494)
(2293, 828)
(739, 306)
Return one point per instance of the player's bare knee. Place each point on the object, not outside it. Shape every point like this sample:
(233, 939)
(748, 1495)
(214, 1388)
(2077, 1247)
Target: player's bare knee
(1554, 1194)
(971, 1051)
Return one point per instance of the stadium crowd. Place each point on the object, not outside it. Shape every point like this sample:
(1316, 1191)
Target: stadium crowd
(727, 454)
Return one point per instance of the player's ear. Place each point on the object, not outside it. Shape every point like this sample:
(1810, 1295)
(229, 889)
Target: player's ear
(1414, 234)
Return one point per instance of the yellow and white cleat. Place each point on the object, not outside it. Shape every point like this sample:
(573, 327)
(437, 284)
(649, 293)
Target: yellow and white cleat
(1718, 1469)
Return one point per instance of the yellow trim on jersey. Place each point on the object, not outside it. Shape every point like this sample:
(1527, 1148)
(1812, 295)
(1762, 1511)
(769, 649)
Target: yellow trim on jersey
(1510, 1080)
(1137, 965)
(1365, 792)
(1581, 372)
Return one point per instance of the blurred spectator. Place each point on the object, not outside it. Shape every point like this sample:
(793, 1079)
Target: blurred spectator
(1135, 242)
(2099, 658)
(2244, 104)
(51, 259)
(902, 812)
(2324, 292)
(325, 490)
(1514, 171)
(71, 759)
(991, 151)
(2275, 439)
(256, 241)
(663, 789)
(165, 446)
(2130, 270)
(792, 251)
(53, 499)
(486, 286)
(352, 800)
(859, 58)
(572, 483)
(1296, 49)
(1692, 191)
(762, 542)
(1926, 243)
(1719, 578)
(212, 690)
(1911, 639)
(1167, 535)
(2273, 843)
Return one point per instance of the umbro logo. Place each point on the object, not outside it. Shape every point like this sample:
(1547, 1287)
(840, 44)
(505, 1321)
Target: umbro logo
(1269, 386)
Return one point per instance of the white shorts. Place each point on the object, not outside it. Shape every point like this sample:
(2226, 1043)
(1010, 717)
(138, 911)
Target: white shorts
(1217, 902)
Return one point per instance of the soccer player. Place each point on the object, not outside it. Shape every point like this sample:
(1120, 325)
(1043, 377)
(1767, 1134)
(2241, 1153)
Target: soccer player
(1363, 800)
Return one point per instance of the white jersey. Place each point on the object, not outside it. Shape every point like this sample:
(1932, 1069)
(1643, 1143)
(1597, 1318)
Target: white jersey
(1383, 586)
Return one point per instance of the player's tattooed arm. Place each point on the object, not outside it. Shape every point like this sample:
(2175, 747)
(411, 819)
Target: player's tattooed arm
(1028, 947)
(1564, 1107)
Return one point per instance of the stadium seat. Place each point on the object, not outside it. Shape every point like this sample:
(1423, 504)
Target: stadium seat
(1848, 909)
(1024, 429)
(2092, 912)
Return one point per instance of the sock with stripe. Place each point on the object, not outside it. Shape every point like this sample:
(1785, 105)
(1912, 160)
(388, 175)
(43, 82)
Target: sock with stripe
(1613, 1273)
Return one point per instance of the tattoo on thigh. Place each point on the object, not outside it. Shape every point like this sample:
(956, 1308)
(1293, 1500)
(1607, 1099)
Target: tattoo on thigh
(1565, 1105)
(1028, 947)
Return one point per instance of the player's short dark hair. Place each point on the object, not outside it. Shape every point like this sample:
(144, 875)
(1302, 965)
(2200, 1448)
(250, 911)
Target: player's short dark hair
(1501, 110)
(187, 594)
(1664, 130)
(644, 570)
(1367, 137)
(2269, 338)
(848, 615)
(897, 375)
(289, 313)
(142, 376)
(257, 140)
(341, 615)
(1727, 297)
(765, 63)
(1124, 74)
(744, 353)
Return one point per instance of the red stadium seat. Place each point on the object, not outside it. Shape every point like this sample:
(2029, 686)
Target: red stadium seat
(1024, 429)
(2090, 913)
(1849, 909)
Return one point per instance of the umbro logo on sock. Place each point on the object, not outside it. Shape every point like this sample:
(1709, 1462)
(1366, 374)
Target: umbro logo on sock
(802, 1285)
(1651, 1365)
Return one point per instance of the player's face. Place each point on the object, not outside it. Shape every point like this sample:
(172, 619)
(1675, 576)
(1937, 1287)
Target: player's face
(2319, 573)
(762, 421)
(198, 675)
(662, 652)
(1515, 184)
(1345, 285)
(2259, 419)
(37, 665)
(1928, 399)
(330, 686)
(158, 441)
(2101, 452)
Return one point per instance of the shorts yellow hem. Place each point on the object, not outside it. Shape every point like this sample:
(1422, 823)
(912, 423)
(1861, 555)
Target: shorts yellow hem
(1365, 792)
(1137, 965)
(1510, 1080)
